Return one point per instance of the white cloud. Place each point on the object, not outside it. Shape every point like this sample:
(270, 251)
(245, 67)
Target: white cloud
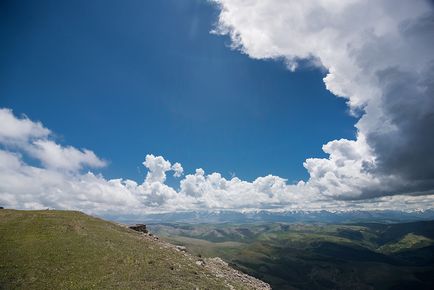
(157, 167)
(177, 169)
(32, 138)
(378, 55)
(55, 156)
(28, 187)
(13, 130)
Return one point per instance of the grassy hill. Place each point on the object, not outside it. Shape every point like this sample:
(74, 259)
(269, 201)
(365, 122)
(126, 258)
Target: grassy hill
(70, 250)
(319, 256)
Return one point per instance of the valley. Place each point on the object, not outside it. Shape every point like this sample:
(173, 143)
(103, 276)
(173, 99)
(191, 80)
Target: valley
(317, 256)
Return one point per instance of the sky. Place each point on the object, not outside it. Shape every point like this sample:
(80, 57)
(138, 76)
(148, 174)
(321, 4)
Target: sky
(151, 78)
(116, 107)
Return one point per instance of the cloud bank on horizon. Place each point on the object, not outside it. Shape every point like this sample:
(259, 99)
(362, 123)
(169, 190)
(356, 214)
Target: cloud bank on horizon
(36, 173)
(378, 55)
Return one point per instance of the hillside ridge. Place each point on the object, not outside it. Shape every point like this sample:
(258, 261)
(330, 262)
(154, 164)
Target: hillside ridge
(70, 250)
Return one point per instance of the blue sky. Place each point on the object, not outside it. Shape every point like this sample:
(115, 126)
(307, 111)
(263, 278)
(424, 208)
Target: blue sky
(119, 108)
(127, 78)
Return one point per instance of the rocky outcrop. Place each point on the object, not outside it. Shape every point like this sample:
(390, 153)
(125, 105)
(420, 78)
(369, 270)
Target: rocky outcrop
(139, 228)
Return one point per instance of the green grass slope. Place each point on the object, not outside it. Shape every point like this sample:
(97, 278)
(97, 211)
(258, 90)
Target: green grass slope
(70, 250)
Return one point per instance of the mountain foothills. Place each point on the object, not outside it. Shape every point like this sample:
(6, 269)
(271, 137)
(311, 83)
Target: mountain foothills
(304, 216)
(70, 250)
(318, 255)
(51, 249)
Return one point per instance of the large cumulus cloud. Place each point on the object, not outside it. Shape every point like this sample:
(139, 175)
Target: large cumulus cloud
(378, 56)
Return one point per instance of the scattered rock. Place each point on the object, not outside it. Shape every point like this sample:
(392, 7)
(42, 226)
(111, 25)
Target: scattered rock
(181, 249)
(221, 269)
